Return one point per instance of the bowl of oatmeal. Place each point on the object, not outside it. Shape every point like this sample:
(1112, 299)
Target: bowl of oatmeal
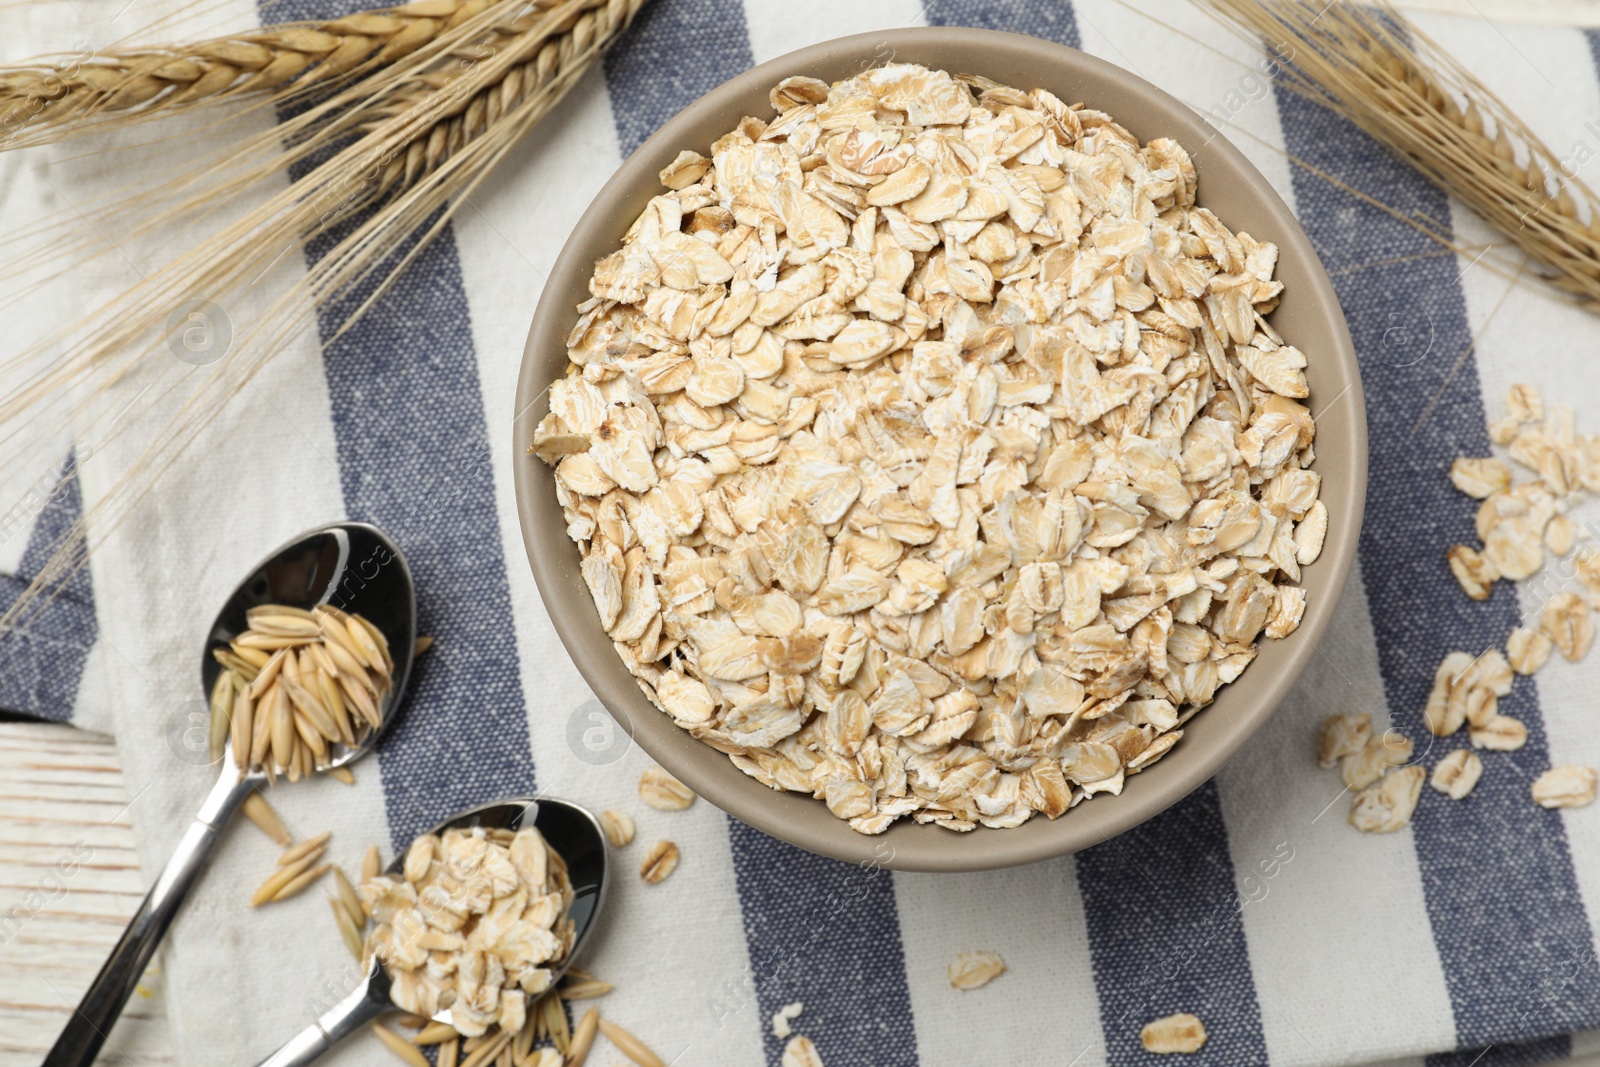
(947, 463)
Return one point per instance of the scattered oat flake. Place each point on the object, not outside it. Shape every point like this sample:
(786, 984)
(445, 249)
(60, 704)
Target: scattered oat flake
(1386, 805)
(1524, 403)
(1340, 736)
(1457, 773)
(1501, 733)
(1570, 786)
(783, 1017)
(974, 970)
(618, 827)
(800, 1052)
(1389, 749)
(1474, 572)
(659, 862)
(1479, 478)
(1177, 1033)
(1567, 623)
(1560, 534)
(1445, 710)
(663, 792)
(1527, 650)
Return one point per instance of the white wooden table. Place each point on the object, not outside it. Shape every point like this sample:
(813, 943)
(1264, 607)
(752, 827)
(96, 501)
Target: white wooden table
(69, 880)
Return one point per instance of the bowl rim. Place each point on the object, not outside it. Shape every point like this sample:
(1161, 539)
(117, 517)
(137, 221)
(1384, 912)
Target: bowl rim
(553, 557)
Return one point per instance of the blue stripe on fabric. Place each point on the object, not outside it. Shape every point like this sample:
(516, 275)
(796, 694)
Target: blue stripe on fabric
(1053, 20)
(675, 52)
(817, 931)
(1166, 934)
(1527, 1054)
(1160, 898)
(826, 934)
(42, 661)
(414, 458)
(1507, 917)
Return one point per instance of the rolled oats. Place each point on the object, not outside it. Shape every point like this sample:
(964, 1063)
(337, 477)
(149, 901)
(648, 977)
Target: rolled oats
(1517, 522)
(1441, 715)
(1524, 404)
(1341, 736)
(1466, 689)
(800, 1052)
(1386, 805)
(662, 791)
(1566, 622)
(783, 1017)
(974, 970)
(1475, 573)
(476, 924)
(1480, 478)
(1457, 773)
(931, 454)
(1560, 534)
(1527, 650)
(659, 862)
(1570, 786)
(1361, 768)
(1178, 1033)
(618, 827)
(1500, 733)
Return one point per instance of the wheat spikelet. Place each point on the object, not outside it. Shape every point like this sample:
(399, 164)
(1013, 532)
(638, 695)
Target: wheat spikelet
(53, 98)
(438, 132)
(394, 215)
(369, 123)
(1379, 71)
(342, 108)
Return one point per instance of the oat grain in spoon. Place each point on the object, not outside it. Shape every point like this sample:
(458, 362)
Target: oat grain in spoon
(267, 673)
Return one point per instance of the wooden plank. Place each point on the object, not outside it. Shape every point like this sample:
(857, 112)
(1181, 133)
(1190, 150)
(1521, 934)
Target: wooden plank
(58, 792)
(64, 808)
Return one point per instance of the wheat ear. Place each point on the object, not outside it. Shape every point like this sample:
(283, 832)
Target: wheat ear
(540, 64)
(56, 97)
(1378, 70)
(435, 133)
(341, 141)
(342, 108)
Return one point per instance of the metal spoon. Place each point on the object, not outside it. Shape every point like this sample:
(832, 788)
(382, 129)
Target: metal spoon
(350, 565)
(575, 835)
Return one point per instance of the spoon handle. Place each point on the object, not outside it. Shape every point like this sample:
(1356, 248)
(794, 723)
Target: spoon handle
(364, 1004)
(86, 1030)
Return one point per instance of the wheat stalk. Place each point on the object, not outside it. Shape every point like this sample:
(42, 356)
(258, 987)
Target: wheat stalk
(372, 121)
(472, 117)
(56, 97)
(345, 107)
(1382, 73)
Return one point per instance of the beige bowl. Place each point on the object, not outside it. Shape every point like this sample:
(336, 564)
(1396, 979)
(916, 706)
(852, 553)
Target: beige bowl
(1309, 317)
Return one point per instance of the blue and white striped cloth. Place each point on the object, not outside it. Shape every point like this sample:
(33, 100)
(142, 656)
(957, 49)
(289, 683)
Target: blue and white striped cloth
(1464, 939)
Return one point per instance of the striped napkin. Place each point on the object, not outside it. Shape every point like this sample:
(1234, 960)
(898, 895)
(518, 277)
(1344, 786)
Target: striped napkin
(1463, 939)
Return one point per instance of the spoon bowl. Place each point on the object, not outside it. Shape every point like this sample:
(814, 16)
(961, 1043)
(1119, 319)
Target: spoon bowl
(352, 566)
(572, 831)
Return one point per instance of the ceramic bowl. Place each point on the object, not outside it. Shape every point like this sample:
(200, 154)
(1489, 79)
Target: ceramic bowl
(1309, 317)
